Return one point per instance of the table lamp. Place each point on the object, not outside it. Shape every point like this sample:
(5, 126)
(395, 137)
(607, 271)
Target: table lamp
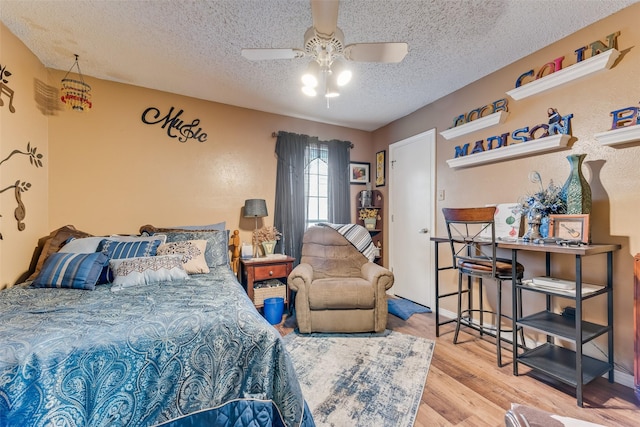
(256, 208)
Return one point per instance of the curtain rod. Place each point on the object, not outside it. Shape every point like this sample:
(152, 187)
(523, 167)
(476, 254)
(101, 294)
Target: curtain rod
(275, 135)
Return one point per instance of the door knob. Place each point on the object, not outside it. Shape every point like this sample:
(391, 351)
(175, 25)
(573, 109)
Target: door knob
(424, 230)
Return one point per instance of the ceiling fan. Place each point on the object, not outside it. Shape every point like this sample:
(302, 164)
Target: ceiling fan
(324, 44)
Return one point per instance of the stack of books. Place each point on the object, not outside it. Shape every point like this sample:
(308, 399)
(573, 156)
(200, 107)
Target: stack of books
(562, 286)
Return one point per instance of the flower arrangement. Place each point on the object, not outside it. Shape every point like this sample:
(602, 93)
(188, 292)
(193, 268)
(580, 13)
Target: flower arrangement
(266, 234)
(368, 213)
(546, 201)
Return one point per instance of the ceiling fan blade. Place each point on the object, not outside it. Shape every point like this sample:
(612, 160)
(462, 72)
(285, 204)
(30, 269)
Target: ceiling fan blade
(376, 52)
(260, 54)
(325, 16)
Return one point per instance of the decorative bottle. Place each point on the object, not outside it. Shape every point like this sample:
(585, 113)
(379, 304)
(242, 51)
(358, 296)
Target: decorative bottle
(576, 190)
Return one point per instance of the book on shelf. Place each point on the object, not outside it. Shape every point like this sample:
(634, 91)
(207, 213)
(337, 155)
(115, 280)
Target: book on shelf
(553, 282)
(562, 286)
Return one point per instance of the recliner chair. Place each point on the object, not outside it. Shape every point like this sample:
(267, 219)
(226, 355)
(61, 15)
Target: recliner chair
(337, 288)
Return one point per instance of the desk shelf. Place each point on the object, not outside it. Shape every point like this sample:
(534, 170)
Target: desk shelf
(566, 365)
(561, 326)
(560, 363)
(569, 294)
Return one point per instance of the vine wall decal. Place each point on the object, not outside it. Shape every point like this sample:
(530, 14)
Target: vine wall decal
(19, 186)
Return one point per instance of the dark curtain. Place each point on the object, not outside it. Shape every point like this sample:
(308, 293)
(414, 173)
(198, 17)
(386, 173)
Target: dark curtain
(289, 216)
(339, 194)
(290, 206)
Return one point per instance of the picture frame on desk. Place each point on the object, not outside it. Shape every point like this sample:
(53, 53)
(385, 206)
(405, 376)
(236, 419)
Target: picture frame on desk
(570, 227)
(359, 173)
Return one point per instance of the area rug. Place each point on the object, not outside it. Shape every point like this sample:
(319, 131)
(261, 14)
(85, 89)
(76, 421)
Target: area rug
(361, 379)
(404, 308)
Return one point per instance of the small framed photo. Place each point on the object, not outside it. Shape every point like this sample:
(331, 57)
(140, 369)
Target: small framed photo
(359, 173)
(380, 165)
(570, 227)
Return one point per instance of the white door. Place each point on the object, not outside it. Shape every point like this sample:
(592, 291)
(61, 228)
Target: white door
(411, 204)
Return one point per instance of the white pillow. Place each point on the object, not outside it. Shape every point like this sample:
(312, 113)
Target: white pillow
(192, 253)
(141, 271)
(84, 245)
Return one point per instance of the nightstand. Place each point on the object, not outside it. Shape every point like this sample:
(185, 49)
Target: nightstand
(262, 270)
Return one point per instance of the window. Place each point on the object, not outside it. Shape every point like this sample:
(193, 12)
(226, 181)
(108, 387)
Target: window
(316, 184)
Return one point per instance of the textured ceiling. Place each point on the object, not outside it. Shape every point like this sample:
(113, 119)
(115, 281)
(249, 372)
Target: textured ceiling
(193, 47)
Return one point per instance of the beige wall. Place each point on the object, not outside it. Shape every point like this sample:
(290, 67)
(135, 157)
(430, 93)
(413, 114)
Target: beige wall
(110, 172)
(613, 173)
(27, 125)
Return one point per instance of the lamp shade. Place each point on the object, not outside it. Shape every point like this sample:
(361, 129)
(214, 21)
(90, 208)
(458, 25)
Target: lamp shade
(255, 208)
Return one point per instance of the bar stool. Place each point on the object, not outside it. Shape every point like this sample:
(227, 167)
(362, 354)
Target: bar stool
(472, 237)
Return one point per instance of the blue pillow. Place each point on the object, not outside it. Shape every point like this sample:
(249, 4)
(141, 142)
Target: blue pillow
(71, 270)
(115, 249)
(128, 249)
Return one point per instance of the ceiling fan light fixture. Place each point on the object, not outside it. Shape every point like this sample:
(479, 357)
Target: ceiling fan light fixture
(341, 72)
(309, 91)
(310, 76)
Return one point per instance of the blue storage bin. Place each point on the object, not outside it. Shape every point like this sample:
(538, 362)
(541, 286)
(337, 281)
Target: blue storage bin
(273, 309)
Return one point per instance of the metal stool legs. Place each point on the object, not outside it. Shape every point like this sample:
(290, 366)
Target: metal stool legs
(466, 317)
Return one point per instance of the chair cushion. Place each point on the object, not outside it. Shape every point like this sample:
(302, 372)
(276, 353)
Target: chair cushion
(341, 293)
(482, 266)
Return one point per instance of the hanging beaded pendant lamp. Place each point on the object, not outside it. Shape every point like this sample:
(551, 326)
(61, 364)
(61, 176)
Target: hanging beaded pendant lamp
(76, 94)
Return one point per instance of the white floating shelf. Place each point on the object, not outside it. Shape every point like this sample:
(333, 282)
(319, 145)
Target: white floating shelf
(535, 146)
(600, 62)
(623, 135)
(474, 125)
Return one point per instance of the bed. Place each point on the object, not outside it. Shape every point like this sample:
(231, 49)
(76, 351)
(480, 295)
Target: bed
(187, 351)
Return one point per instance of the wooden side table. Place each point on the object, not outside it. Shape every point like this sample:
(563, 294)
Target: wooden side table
(258, 269)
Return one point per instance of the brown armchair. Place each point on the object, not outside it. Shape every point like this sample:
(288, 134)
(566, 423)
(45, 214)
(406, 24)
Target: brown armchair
(337, 288)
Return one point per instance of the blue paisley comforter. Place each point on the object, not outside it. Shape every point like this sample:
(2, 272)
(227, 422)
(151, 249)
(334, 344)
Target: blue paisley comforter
(192, 352)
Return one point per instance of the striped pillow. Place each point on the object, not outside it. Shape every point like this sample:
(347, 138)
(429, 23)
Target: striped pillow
(71, 270)
(128, 249)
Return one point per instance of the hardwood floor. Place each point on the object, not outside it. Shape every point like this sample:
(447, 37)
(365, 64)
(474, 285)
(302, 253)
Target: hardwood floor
(465, 387)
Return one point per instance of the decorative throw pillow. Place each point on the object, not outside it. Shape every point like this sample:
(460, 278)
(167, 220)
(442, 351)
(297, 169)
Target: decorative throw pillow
(128, 249)
(144, 270)
(70, 270)
(192, 253)
(217, 252)
(125, 247)
(52, 244)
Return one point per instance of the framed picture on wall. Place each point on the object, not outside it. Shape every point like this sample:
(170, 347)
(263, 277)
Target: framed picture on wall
(380, 165)
(359, 173)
